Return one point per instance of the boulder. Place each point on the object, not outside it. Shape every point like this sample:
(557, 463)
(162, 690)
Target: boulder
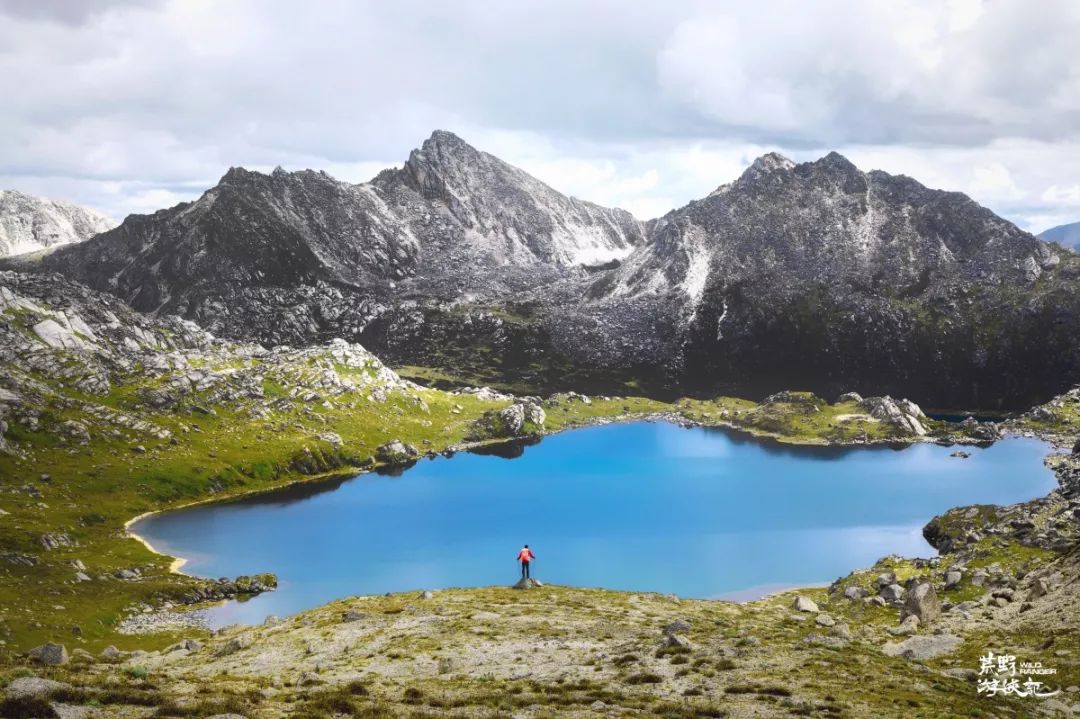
(33, 687)
(904, 415)
(49, 654)
(678, 626)
(884, 580)
(849, 397)
(352, 615)
(59, 337)
(921, 647)
(56, 540)
(676, 641)
(802, 604)
(922, 602)
(824, 620)
(330, 438)
(842, 631)
(534, 413)
(891, 593)
(952, 578)
(527, 584)
(234, 645)
(855, 593)
(909, 626)
(81, 656)
(396, 452)
(512, 420)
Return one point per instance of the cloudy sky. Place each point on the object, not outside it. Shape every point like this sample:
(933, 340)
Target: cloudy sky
(133, 105)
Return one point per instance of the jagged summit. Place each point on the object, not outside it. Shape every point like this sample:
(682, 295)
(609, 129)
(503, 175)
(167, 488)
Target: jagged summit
(447, 142)
(814, 274)
(766, 164)
(452, 221)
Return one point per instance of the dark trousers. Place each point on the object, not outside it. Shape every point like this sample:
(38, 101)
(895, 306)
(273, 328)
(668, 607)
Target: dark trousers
(524, 570)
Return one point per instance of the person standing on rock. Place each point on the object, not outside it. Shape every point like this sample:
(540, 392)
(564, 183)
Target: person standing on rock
(525, 556)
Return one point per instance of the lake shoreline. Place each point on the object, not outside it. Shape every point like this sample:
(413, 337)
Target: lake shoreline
(649, 418)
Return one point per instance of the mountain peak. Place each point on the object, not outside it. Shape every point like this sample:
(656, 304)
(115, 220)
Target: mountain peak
(444, 145)
(444, 157)
(767, 164)
(835, 161)
(236, 174)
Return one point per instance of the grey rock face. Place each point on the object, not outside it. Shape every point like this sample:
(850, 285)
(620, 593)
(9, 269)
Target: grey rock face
(891, 593)
(676, 641)
(855, 593)
(849, 271)
(30, 224)
(49, 654)
(869, 279)
(909, 626)
(396, 452)
(56, 540)
(923, 647)
(803, 604)
(679, 626)
(33, 687)
(903, 414)
(326, 257)
(922, 602)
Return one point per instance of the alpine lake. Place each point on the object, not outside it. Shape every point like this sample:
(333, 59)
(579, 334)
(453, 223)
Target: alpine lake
(645, 506)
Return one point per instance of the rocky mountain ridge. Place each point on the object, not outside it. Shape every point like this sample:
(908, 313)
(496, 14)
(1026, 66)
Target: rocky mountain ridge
(822, 276)
(813, 275)
(31, 224)
(1067, 235)
(453, 222)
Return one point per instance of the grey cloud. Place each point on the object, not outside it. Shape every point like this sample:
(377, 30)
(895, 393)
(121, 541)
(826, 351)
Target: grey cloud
(67, 12)
(138, 95)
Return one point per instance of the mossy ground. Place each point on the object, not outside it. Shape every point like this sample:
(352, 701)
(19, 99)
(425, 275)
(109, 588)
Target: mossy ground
(558, 652)
(551, 652)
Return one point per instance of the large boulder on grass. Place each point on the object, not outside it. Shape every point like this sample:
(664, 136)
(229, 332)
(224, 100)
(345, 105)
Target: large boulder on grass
(33, 687)
(49, 654)
(922, 602)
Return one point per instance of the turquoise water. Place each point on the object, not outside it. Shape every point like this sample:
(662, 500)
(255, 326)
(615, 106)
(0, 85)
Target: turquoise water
(644, 506)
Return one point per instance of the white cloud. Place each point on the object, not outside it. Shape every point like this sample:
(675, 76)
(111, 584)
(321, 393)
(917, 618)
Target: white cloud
(1062, 195)
(122, 104)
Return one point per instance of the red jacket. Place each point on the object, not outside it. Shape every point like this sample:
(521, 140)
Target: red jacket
(526, 555)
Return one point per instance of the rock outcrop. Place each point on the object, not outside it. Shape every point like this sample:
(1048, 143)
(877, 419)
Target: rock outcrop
(63, 346)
